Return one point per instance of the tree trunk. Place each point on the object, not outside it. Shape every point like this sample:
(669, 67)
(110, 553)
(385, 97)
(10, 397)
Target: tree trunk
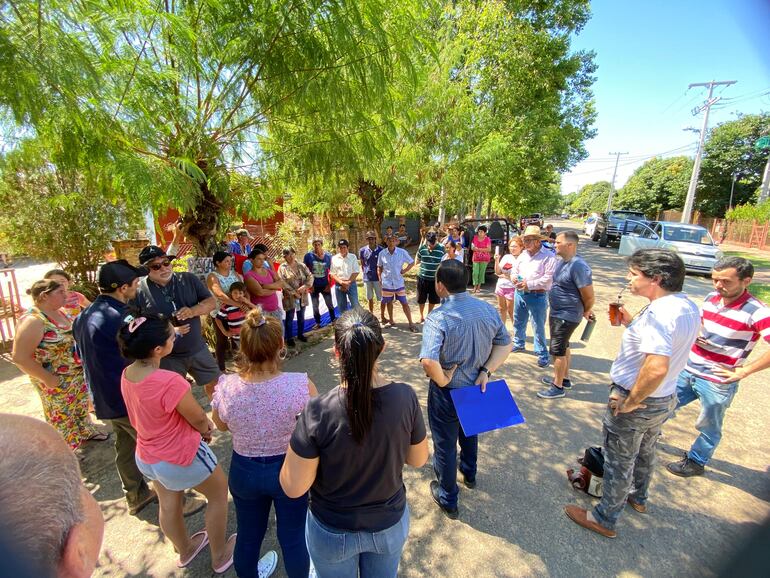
(201, 224)
(371, 195)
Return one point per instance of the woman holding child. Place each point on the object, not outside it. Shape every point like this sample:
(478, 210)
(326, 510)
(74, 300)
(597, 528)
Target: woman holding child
(219, 282)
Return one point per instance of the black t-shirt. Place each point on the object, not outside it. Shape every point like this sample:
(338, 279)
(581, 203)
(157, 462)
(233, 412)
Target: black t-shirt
(182, 290)
(359, 487)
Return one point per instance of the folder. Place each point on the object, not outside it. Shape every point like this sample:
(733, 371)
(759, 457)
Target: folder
(488, 411)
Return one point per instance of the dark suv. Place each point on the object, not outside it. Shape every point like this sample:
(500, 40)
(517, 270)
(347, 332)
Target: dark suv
(609, 227)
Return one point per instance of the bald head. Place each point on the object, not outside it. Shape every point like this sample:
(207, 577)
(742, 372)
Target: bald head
(44, 505)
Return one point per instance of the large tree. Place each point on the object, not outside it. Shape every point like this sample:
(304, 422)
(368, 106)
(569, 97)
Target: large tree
(494, 115)
(729, 150)
(657, 185)
(202, 90)
(591, 198)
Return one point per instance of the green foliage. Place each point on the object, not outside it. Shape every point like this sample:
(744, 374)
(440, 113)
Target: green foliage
(749, 212)
(57, 213)
(589, 199)
(730, 149)
(658, 185)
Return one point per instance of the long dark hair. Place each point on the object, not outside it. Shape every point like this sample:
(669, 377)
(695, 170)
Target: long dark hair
(358, 340)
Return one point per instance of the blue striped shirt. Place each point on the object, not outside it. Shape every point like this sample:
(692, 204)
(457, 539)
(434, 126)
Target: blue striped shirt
(462, 331)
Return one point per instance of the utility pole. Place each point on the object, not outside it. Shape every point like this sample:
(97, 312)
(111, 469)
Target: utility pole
(612, 184)
(690, 200)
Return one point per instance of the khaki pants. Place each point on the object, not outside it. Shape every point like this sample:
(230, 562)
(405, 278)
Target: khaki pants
(134, 485)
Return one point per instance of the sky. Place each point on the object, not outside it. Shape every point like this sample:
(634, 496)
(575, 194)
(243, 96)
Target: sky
(647, 54)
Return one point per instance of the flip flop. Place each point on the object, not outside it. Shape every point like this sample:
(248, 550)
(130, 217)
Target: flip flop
(226, 566)
(99, 437)
(205, 542)
(413, 328)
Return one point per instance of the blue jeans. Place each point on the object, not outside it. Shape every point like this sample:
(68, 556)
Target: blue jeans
(254, 486)
(536, 305)
(346, 299)
(446, 431)
(343, 554)
(288, 322)
(714, 398)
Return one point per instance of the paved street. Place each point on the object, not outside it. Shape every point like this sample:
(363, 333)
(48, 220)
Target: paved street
(513, 523)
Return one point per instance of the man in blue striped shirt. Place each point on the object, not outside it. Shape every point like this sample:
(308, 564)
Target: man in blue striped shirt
(463, 342)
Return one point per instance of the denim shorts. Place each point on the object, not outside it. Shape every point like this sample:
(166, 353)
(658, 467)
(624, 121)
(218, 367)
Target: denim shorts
(178, 478)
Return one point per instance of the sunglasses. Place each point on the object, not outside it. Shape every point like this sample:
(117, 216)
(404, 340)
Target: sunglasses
(159, 266)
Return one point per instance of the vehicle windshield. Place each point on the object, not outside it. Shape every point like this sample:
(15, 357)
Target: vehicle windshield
(687, 235)
(627, 215)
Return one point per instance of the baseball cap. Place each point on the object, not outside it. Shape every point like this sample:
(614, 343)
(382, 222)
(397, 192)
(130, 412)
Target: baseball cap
(117, 273)
(343, 243)
(371, 235)
(151, 252)
(240, 232)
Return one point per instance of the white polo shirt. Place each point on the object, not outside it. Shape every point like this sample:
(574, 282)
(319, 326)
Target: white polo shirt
(343, 267)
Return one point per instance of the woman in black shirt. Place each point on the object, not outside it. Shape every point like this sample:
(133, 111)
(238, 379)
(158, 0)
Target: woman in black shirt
(349, 448)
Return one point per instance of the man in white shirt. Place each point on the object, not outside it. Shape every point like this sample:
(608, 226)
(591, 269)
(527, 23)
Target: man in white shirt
(345, 270)
(654, 349)
(390, 267)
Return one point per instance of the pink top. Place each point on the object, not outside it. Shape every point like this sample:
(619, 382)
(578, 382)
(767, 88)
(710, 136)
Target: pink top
(72, 304)
(263, 277)
(537, 270)
(479, 257)
(261, 416)
(162, 434)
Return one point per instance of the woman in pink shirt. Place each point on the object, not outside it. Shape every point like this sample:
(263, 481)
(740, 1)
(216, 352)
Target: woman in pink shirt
(172, 430)
(260, 405)
(482, 253)
(263, 285)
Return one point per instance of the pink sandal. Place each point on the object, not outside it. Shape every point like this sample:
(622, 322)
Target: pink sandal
(224, 567)
(205, 542)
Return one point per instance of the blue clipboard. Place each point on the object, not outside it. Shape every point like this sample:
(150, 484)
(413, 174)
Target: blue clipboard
(488, 411)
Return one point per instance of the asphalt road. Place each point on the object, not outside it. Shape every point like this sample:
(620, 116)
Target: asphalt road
(513, 523)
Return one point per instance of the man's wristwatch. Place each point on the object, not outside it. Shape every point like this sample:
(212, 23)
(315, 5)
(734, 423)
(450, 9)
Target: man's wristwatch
(483, 368)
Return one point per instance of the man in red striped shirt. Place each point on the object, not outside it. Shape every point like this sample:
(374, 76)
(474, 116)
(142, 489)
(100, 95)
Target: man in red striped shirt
(732, 322)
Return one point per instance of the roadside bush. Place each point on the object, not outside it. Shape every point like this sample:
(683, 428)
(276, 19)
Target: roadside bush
(750, 212)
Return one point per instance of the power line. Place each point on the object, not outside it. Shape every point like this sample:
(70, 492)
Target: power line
(634, 160)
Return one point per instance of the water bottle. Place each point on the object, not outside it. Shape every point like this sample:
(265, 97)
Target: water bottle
(589, 328)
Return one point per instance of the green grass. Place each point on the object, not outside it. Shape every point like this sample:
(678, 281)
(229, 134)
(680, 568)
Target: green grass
(759, 262)
(761, 291)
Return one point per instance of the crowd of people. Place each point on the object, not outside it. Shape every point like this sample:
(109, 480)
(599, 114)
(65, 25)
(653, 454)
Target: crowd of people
(331, 464)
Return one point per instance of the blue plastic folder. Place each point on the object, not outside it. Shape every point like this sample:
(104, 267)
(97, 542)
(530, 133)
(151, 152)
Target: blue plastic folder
(488, 411)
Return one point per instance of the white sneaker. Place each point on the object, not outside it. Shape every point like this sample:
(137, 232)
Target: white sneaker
(267, 564)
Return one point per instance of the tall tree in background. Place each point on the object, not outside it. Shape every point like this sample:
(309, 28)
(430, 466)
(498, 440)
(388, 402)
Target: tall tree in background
(197, 90)
(591, 198)
(730, 150)
(658, 185)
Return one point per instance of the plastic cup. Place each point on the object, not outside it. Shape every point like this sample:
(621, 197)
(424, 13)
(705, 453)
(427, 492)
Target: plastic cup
(615, 315)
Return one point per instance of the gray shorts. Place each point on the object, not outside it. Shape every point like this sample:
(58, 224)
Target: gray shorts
(179, 478)
(373, 288)
(201, 365)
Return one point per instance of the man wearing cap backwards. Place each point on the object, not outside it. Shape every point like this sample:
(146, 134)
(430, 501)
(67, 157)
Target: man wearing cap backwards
(95, 331)
(369, 255)
(183, 298)
(429, 258)
(345, 270)
(241, 245)
(535, 267)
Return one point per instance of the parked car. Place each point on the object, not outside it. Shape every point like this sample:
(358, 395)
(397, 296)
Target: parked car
(693, 242)
(609, 226)
(589, 225)
(564, 216)
(533, 219)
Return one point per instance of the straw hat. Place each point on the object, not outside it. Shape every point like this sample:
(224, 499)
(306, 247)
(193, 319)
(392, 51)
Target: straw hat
(534, 231)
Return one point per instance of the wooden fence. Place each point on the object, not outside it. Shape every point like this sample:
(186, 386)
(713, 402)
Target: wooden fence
(10, 308)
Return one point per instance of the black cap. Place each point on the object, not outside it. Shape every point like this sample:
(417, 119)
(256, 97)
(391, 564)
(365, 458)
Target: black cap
(343, 243)
(151, 252)
(118, 273)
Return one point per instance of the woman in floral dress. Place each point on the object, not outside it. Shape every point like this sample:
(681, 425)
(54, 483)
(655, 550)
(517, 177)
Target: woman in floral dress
(44, 349)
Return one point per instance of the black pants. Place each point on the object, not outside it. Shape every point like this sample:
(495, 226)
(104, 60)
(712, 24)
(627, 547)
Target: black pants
(329, 305)
(221, 347)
